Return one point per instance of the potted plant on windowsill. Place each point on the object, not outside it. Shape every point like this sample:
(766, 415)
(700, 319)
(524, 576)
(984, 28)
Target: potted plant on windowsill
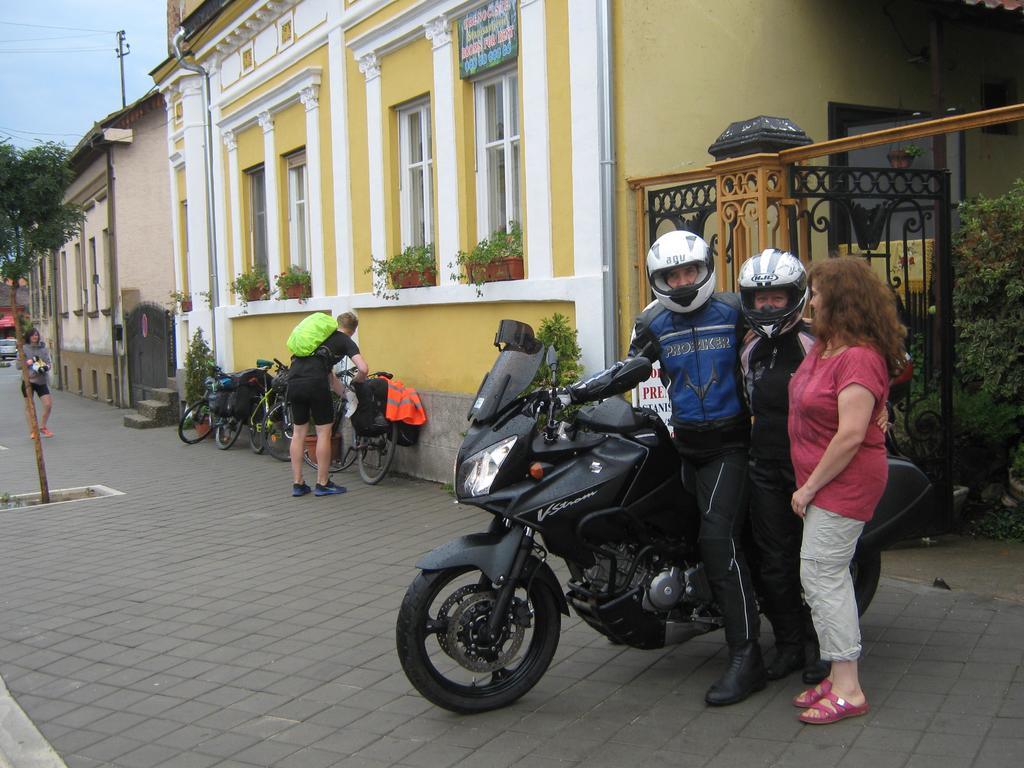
(294, 283)
(414, 267)
(181, 301)
(495, 258)
(903, 156)
(251, 286)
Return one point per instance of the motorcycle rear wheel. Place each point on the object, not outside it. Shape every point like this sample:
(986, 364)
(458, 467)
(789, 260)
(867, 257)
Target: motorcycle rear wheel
(439, 622)
(865, 569)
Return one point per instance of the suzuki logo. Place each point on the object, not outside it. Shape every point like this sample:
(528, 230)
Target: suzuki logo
(558, 506)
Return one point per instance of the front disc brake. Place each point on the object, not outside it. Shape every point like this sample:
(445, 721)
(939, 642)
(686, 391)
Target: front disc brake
(464, 641)
(443, 614)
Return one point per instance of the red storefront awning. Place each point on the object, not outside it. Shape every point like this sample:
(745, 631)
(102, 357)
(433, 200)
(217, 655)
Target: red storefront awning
(6, 321)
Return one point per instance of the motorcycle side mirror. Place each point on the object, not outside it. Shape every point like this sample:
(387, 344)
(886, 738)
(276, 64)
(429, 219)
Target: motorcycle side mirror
(551, 359)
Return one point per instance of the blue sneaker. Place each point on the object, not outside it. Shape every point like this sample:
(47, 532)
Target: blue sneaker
(328, 490)
(299, 489)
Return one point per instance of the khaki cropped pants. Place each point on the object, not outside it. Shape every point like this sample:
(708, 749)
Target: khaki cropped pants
(829, 542)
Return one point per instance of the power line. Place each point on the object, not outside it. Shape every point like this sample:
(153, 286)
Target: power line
(46, 26)
(53, 50)
(34, 133)
(58, 37)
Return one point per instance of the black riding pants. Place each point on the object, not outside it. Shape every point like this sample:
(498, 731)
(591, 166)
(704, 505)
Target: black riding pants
(777, 535)
(720, 486)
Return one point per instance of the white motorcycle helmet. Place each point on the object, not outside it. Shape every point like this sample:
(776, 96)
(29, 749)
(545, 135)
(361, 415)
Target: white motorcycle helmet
(773, 270)
(680, 249)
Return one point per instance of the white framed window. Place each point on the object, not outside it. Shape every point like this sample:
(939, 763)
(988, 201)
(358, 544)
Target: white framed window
(416, 178)
(498, 153)
(258, 218)
(64, 282)
(298, 214)
(81, 292)
(93, 277)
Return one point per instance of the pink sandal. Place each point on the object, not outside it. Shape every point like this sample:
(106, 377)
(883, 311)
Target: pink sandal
(840, 710)
(811, 696)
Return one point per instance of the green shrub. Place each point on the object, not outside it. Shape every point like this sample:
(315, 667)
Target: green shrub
(1002, 523)
(198, 360)
(556, 331)
(1017, 461)
(988, 293)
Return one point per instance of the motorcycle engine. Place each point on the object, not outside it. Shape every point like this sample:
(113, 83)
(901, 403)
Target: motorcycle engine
(664, 587)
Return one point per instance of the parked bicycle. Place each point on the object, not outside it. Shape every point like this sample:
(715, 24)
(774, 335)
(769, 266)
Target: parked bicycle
(225, 407)
(362, 435)
(266, 433)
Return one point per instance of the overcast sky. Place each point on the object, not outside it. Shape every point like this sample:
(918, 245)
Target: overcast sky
(58, 70)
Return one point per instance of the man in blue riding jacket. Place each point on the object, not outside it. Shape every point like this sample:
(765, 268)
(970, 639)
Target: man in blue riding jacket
(696, 334)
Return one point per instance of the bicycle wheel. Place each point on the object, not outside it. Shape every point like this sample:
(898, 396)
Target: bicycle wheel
(257, 428)
(195, 424)
(277, 433)
(348, 444)
(342, 454)
(226, 432)
(376, 455)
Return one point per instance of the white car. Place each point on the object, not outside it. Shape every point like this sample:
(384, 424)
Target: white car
(8, 349)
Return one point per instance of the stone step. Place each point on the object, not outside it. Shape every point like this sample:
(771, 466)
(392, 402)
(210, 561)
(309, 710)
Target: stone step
(137, 421)
(158, 411)
(164, 395)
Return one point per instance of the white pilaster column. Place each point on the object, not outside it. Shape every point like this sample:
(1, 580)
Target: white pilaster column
(446, 242)
(219, 193)
(235, 200)
(314, 205)
(266, 121)
(194, 130)
(585, 104)
(370, 67)
(342, 185)
(535, 137)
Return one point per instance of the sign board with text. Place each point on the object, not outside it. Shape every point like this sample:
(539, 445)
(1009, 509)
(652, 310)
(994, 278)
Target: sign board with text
(652, 394)
(488, 37)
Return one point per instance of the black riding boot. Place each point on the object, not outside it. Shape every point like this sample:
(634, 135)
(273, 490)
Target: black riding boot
(788, 655)
(816, 669)
(744, 675)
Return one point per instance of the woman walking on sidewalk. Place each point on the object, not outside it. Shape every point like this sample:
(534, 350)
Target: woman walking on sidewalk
(838, 453)
(37, 358)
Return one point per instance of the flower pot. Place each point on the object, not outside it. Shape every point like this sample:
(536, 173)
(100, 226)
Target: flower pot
(413, 278)
(899, 158)
(496, 271)
(254, 294)
(297, 291)
(186, 306)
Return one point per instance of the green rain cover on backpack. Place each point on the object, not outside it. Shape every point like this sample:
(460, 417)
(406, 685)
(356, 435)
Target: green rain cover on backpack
(311, 333)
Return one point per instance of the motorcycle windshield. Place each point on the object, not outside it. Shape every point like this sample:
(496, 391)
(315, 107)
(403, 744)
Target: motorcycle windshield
(518, 362)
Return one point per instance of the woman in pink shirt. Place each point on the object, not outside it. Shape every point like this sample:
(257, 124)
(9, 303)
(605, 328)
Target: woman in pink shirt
(839, 459)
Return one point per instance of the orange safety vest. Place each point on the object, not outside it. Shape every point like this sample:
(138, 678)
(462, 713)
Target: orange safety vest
(404, 404)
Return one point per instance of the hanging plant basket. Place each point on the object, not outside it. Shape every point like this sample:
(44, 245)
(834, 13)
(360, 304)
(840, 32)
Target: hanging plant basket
(254, 294)
(186, 305)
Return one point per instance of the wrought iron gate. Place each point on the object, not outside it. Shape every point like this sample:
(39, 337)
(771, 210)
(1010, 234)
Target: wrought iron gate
(150, 348)
(899, 220)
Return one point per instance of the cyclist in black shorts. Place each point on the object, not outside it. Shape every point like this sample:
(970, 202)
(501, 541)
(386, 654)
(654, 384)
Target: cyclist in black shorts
(309, 394)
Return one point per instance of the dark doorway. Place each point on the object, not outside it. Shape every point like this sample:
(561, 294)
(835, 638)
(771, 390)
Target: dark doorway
(150, 348)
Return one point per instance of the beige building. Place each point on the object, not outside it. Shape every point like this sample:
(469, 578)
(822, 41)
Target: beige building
(103, 295)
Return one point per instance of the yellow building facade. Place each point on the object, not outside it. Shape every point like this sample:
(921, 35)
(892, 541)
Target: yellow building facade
(342, 132)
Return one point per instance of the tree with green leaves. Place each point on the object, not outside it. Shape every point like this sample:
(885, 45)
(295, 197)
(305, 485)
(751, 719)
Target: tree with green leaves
(34, 220)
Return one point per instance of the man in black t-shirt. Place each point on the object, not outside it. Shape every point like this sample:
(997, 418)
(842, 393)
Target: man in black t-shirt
(310, 383)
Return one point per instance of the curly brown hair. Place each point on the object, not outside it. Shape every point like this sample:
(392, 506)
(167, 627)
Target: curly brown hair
(855, 307)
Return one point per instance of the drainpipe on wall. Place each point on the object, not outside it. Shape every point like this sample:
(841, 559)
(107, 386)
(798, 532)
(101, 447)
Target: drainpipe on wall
(608, 169)
(211, 244)
(114, 290)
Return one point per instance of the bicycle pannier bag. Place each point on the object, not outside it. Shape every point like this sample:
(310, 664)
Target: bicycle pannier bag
(368, 420)
(310, 333)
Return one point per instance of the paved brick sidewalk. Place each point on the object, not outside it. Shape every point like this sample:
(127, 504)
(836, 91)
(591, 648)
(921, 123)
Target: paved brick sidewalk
(206, 618)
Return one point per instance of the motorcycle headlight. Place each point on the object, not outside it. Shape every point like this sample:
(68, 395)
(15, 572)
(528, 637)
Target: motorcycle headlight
(478, 471)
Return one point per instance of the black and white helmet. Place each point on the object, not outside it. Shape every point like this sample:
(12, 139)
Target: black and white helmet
(680, 249)
(773, 270)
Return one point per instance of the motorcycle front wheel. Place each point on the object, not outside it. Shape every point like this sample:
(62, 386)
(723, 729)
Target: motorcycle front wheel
(444, 653)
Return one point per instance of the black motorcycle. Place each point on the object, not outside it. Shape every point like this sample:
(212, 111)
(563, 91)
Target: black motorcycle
(480, 624)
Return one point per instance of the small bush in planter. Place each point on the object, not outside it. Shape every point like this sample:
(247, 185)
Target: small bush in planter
(294, 283)
(198, 359)
(498, 257)
(251, 286)
(414, 267)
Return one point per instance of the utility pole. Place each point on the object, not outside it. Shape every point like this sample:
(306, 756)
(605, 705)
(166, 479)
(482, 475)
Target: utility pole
(123, 49)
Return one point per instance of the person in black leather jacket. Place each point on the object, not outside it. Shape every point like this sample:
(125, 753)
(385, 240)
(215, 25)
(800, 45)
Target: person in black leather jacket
(696, 333)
